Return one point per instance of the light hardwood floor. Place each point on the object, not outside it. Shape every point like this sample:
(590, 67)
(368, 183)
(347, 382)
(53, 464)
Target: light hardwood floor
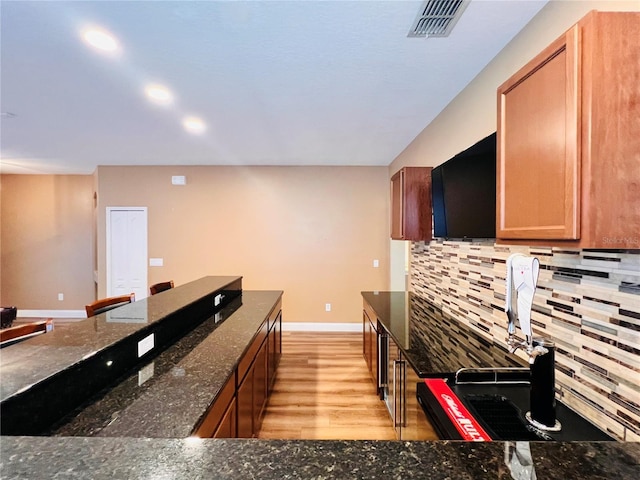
(323, 391)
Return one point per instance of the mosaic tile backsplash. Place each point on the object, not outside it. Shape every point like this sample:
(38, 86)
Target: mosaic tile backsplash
(587, 302)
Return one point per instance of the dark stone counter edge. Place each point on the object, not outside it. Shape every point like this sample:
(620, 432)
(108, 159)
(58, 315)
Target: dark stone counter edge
(125, 458)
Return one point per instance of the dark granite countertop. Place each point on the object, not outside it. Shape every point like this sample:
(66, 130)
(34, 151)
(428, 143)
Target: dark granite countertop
(167, 396)
(182, 371)
(127, 458)
(33, 360)
(434, 342)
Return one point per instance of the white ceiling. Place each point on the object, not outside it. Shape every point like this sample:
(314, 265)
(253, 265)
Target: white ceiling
(277, 82)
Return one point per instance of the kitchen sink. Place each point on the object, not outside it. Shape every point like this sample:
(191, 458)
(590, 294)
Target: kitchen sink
(499, 402)
(502, 418)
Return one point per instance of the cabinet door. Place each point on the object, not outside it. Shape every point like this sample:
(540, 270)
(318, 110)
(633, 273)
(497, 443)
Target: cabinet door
(394, 388)
(227, 427)
(244, 399)
(278, 340)
(397, 206)
(366, 339)
(373, 338)
(217, 411)
(274, 347)
(611, 130)
(538, 169)
(411, 204)
(275, 351)
(260, 386)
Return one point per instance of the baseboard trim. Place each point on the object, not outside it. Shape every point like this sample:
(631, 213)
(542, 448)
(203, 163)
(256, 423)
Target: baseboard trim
(79, 314)
(321, 327)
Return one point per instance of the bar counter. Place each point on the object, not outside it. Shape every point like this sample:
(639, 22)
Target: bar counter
(148, 437)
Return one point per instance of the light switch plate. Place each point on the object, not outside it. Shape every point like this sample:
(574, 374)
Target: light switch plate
(156, 262)
(376, 263)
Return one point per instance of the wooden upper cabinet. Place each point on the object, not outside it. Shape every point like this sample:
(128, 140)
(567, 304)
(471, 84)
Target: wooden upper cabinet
(411, 204)
(568, 166)
(538, 164)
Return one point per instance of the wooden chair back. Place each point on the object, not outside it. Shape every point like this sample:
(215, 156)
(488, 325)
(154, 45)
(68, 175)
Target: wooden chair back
(161, 287)
(25, 330)
(106, 304)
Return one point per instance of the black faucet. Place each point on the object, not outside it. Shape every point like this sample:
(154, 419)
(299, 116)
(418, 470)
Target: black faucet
(521, 280)
(542, 395)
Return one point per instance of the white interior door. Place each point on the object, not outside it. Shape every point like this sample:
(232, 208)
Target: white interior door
(127, 251)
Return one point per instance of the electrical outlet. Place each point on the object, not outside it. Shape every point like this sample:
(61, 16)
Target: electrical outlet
(376, 263)
(217, 299)
(146, 344)
(61, 296)
(327, 307)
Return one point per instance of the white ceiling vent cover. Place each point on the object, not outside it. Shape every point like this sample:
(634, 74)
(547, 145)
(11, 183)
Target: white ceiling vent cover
(436, 18)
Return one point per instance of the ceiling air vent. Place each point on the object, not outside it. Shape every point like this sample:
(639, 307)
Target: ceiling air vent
(436, 18)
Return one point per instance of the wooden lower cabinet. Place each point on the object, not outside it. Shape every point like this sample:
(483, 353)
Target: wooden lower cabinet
(245, 407)
(370, 344)
(253, 388)
(237, 412)
(274, 350)
(366, 342)
(260, 386)
(219, 411)
(228, 424)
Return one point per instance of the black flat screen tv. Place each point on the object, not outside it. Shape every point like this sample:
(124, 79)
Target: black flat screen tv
(463, 193)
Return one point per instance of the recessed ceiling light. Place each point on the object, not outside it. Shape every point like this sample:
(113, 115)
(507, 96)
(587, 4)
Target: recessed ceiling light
(193, 125)
(100, 39)
(159, 94)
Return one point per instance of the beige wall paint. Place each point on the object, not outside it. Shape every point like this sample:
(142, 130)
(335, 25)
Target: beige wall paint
(46, 246)
(310, 231)
(472, 115)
